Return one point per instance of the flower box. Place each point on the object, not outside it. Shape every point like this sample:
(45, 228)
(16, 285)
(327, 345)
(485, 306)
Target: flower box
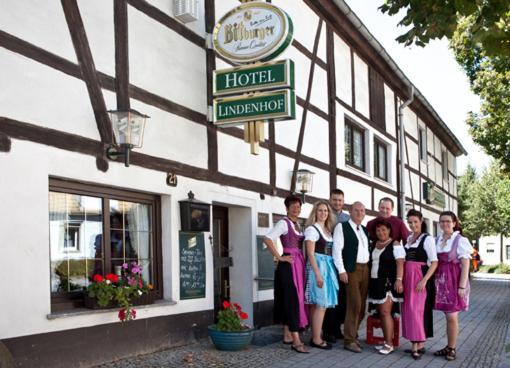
(144, 299)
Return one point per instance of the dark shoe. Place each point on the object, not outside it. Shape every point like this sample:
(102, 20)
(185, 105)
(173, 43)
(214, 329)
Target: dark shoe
(444, 351)
(415, 354)
(323, 345)
(421, 351)
(299, 349)
(353, 347)
(452, 355)
(330, 338)
(287, 342)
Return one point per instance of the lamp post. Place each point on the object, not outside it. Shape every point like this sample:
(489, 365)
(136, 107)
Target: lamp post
(304, 182)
(128, 127)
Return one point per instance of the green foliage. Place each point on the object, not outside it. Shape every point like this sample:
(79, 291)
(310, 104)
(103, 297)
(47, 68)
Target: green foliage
(484, 203)
(479, 34)
(501, 268)
(435, 19)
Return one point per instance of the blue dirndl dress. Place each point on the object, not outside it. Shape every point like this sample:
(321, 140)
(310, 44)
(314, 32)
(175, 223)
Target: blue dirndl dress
(327, 296)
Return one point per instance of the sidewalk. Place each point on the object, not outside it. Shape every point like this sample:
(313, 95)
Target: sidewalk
(484, 342)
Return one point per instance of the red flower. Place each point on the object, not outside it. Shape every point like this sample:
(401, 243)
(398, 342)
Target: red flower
(133, 313)
(112, 277)
(243, 315)
(237, 306)
(122, 314)
(226, 305)
(97, 278)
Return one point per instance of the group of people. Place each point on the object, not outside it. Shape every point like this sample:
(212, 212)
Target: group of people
(345, 264)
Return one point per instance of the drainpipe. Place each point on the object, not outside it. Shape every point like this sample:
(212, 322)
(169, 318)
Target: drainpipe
(401, 142)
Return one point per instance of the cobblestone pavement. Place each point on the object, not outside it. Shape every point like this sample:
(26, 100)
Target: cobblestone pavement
(484, 342)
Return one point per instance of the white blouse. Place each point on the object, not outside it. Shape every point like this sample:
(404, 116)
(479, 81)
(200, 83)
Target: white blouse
(428, 245)
(312, 234)
(464, 248)
(281, 228)
(398, 253)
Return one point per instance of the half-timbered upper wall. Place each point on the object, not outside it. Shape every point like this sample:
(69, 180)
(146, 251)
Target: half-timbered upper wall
(165, 63)
(361, 93)
(166, 6)
(389, 100)
(44, 26)
(343, 74)
(41, 95)
(97, 18)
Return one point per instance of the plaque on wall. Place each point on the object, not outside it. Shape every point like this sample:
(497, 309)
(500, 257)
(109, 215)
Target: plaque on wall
(263, 219)
(192, 265)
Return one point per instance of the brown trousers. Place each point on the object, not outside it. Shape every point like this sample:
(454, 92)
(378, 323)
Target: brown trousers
(357, 290)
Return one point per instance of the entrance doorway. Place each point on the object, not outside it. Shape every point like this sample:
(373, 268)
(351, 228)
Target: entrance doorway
(221, 258)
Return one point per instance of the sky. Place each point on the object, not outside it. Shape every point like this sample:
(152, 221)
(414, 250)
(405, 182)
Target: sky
(434, 71)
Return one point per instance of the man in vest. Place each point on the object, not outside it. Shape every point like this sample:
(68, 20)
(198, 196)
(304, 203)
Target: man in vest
(351, 256)
(334, 317)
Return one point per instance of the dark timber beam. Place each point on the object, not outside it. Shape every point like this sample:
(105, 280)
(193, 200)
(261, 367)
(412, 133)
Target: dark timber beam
(305, 107)
(330, 57)
(212, 130)
(88, 69)
(120, 20)
(5, 143)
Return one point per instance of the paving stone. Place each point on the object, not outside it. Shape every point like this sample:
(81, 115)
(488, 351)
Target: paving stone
(484, 341)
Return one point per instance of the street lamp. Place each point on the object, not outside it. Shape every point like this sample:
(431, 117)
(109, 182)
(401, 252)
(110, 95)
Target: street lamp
(304, 182)
(128, 127)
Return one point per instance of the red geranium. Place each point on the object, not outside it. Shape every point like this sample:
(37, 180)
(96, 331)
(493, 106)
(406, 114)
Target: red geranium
(243, 315)
(112, 277)
(231, 317)
(97, 278)
(226, 305)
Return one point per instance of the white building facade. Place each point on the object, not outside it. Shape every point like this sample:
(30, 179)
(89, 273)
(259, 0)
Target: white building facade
(68, 212)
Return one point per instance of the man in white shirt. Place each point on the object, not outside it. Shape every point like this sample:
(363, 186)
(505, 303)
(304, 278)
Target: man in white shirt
(351, 256)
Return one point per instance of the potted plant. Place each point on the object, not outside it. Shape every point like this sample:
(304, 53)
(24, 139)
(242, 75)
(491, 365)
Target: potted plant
(230, 333)
(125, 291)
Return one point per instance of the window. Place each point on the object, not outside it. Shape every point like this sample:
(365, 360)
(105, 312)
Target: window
(380, 160)
(444, 160)
(95, 230)
(354, 146)
(422, 144)
(490, 248)
(437, 230)
(508, 252)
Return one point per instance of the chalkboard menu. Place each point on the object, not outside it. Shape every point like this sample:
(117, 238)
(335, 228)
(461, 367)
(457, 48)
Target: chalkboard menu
(192, 265)
(266, 265)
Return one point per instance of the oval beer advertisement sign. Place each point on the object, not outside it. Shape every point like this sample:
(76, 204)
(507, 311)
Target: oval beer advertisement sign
(252, 32)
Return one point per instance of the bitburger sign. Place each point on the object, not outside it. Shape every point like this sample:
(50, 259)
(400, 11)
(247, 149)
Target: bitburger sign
(252, 32)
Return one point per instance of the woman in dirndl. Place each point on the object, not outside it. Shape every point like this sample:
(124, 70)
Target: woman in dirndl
(386, 274)
(452, 278)
(289, 276)
(321, 290)
(419, 288)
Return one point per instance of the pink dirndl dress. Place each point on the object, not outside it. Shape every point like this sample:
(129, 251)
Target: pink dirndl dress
(447, 281)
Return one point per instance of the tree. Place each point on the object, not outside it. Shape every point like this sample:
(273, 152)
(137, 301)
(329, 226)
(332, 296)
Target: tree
(479, 34)
(435, 19)
(484, 203)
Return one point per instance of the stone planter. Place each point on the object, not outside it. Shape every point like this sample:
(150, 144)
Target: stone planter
(230, 341)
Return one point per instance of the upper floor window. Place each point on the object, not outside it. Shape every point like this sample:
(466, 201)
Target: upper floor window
(354, 145)
(422, 144)
(380, 160)
(444, 164)
(94, 230)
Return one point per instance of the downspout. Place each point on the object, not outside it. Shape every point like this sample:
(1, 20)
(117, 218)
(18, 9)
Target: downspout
(401, 142)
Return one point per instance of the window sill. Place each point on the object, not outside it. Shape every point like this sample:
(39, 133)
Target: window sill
(86, 311)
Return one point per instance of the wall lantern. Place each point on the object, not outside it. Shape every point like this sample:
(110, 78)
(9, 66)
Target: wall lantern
(186, 10)
(304, 181)
(195, 214)
(128, 127)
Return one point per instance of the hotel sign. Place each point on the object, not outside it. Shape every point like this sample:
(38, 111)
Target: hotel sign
(433, 195)
(278, 105)
(276, 74)
(254, 31)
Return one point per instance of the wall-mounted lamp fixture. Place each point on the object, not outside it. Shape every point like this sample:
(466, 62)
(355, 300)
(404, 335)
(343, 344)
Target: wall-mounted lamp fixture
(128, 127)
(304, 182)
(186, 10)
